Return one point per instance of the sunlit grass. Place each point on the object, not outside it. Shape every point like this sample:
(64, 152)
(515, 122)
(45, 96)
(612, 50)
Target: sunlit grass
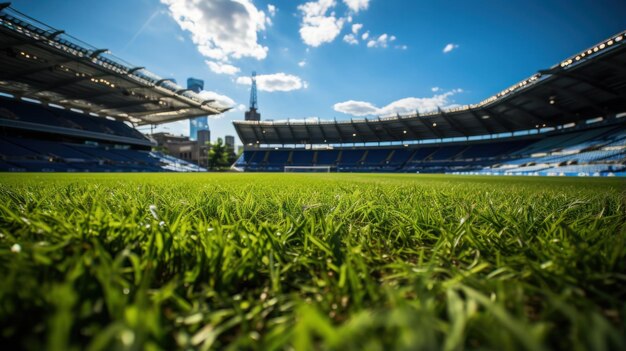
(318, 261)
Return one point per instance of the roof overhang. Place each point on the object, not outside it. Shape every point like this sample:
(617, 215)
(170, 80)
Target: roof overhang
(42, 63)
(587, 85)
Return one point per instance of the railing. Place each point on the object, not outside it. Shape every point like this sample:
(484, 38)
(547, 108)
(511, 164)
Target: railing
(43, 33)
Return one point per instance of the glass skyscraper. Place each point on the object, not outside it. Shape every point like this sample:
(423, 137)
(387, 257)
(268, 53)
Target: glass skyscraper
(198, 123)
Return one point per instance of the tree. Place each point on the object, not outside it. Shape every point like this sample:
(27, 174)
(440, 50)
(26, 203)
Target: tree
(218, 156)
(232, 156)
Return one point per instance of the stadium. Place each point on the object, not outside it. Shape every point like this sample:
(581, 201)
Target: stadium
(69, 107)
(565, 120)
(498, 225)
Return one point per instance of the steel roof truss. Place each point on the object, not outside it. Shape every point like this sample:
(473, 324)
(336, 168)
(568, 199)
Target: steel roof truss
(484, 124)
(408, 128)
(429, 127)
(499, 118)
(452, 123)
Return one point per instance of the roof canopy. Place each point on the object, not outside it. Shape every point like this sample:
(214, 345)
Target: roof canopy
(589, 84)
(43, 63)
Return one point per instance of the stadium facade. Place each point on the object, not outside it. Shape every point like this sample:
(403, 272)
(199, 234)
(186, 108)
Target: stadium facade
(569, 119)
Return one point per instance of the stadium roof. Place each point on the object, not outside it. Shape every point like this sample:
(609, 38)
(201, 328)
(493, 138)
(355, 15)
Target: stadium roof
(589, 84)
(42, 63)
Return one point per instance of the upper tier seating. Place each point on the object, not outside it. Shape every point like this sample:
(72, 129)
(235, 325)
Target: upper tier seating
(39, 114)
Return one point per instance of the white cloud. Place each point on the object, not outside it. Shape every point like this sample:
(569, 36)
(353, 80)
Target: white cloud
(357, 5)
(435, 89)
(222, 68)
(356, 28)
(380, 42)
(271, 9)
(449, 48)
(317, 26)
(275, 82)
(350, 39)
(402, 106)
(302, 63)
(221, 100)
(356, 108)
(222, 30)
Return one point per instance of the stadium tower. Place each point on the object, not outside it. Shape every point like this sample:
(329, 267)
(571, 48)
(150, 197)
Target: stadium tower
(253, 114)
(199, 123)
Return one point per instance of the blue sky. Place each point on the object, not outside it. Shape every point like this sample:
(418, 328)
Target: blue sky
(315, 59)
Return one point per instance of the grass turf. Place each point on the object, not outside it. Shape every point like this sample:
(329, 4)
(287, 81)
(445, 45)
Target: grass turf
(317, 261)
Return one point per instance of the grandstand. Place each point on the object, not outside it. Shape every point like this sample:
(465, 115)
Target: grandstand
(566, 120)
(68, 106)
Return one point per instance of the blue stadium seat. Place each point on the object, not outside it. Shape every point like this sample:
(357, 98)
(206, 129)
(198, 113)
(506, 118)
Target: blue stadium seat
(302, 158)
(100, 153)
(351, 157)
(278, 157)
(11, 150)
(421, 153)
(36, 113)
(400, 156)
(327, 157)
(445, 153)
(49, 148)
(376, 156)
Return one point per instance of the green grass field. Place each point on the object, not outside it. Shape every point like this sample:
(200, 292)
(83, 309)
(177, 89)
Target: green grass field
(311, 261)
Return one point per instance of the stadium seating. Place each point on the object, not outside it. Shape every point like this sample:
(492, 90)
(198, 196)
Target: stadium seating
(327, 157)
(302, 158)
(580, 152)
(351, 157)
(23, 149)
(34, 113)
(447, 153)
(585, 151)
(377, 156)
(11, 150)
(45, 156)
(589, 152)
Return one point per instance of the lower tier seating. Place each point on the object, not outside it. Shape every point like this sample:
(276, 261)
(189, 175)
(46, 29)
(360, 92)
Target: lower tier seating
(34, 155)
